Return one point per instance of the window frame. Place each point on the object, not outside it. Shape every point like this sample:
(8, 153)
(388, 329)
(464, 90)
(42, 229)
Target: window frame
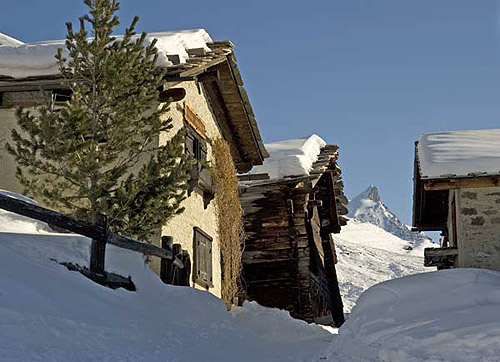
(198, 277)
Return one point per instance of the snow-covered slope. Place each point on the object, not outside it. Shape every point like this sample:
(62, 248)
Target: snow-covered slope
(48, 313)
(368, 207)
(375, 246)
(368, 255)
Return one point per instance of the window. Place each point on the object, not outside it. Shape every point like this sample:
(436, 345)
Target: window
(202, 258)
(195, 144)
(196, 134)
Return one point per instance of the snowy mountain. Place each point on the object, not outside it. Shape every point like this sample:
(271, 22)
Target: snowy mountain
(368, 255)
(375, 246)
(368, 207)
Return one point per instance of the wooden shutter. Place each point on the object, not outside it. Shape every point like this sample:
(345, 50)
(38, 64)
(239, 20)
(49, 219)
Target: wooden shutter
(190, 144)
(203, 150)
(203, 258)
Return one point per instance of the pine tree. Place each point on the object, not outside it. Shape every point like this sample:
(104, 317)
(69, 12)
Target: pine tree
(80, 157)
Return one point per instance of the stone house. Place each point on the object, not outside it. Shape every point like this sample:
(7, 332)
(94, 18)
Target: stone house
(292, 204)
(457, 192)
(209, 102)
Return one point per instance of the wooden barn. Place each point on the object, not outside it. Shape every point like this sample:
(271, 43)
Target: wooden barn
(457, 192)
(292, 205)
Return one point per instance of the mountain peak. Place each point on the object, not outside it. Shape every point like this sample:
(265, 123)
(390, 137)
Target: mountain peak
(368, 207)
(371, 193)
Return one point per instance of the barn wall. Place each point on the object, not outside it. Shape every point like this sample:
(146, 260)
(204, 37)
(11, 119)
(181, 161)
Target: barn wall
(478, 227)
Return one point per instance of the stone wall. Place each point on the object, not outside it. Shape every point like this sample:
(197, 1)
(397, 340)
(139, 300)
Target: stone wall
(181, 227)
(478, 227)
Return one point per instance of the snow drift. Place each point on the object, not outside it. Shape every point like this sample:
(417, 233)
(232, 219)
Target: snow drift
(450, 315)
(48, 313)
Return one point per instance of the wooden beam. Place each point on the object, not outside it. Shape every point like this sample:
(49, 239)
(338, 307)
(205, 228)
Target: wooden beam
(254, 177)
(440, 257)
(172, 94)
(80, 227)
(462, 183)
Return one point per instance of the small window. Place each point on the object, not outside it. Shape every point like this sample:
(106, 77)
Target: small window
(195, 145)
(202, 258)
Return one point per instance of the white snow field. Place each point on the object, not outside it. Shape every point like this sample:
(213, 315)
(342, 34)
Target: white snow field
(48, 313)
(445, 316)
(368, 255)
(375, 246)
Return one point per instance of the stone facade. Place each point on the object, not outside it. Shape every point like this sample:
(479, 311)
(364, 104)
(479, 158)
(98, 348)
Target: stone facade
(180, 227)
(477, 226)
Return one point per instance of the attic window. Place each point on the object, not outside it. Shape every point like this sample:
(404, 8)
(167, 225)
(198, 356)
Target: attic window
(202, 258)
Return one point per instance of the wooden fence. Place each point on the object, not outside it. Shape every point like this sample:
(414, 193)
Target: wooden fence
(97, 231)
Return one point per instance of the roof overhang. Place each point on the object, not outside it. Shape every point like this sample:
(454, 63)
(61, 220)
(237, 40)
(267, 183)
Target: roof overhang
(430, 207)
(218, 73)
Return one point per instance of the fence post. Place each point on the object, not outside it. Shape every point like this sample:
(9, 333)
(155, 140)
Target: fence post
(98, 247)
(166, 265)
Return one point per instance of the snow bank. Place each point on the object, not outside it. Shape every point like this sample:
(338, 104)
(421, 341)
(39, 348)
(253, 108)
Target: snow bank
(293, 157)
(459, 153)
(448, 316)
(48, 313)
(38, 59)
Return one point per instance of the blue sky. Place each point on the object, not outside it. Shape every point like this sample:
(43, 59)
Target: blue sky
(367, 75)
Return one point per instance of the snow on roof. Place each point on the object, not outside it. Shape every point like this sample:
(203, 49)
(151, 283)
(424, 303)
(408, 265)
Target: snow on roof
(293, 157)
(459, 153)
(19, 60)
(6, 40)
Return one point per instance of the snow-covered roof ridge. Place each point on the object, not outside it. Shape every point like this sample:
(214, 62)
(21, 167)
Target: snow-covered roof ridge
(454, 154)
(294, 157)
(38, 59)
(6, 40)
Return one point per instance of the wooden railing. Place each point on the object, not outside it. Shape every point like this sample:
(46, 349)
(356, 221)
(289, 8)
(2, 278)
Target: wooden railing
(97, 231)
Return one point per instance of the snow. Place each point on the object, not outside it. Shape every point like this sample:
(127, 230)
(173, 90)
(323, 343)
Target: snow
(6, 40)
(368, 207)
(459, 153)
(368, 255)
(375, 246)
(10, 222)
(48, 313)
(38, 59)
(293, 157)
(450, 315)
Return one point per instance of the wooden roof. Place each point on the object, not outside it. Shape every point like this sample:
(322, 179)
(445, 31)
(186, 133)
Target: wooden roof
(326, 163)
(218, 73)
